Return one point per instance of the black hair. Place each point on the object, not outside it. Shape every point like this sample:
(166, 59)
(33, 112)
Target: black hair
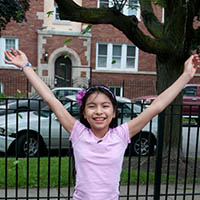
(99, 89)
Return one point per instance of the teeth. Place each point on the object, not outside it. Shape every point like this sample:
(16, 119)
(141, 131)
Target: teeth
(99, 119)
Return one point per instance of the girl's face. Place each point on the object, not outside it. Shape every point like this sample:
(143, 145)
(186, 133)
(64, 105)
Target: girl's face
(99, 112)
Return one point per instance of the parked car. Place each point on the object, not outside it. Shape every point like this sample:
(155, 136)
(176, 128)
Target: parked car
(21, 105)
(18, 127)
(190, 140)
(191, 99)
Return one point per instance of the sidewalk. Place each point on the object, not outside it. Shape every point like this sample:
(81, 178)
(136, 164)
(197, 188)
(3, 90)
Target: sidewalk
(53, 193)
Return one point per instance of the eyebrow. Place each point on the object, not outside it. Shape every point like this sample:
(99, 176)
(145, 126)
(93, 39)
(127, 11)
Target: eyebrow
(106, 102)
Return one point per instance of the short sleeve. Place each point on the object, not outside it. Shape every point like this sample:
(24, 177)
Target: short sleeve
(76, 131)
(123, 132)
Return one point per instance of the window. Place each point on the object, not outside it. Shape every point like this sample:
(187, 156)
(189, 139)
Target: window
(131, 7)
(57, 17)
(6, 43)
(117, 91)
(116, 56)
(130, 57)
(103, 3)
(102, 55)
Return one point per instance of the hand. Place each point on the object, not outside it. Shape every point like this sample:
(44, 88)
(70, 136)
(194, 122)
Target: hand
(191, 65)
(17, 58)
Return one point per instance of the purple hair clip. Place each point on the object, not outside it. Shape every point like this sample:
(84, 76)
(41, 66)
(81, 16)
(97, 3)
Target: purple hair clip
(79, 96)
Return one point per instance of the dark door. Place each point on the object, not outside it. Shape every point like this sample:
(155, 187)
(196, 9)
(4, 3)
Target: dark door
(63, 68)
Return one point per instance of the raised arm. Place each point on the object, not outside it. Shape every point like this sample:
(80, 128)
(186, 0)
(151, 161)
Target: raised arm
(19, 59)
(166, 97)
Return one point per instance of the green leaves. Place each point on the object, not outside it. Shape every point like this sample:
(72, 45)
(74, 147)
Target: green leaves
(16, 162)
(66, 56)
(19, 115)
(49, 13)
(87, 29)
(12, 9)
(67, 40)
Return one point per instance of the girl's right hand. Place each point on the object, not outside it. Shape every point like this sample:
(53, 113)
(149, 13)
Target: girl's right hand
(17, 58)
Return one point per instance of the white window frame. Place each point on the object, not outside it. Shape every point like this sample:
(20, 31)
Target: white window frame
(59, 21)
(163, 15)
(109, 65)
(1, 88)
(125, 10)
(3, 48)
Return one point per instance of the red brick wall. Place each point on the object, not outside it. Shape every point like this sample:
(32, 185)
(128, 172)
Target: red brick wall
(27, 35)
(134, 85)
(26, 32)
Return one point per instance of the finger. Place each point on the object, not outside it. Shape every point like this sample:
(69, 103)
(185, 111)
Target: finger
(19, 52)
(13, 51)
(7, 61)
(9, 54)
(196, 58)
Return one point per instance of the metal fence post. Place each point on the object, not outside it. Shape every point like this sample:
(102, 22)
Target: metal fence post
(159, 154)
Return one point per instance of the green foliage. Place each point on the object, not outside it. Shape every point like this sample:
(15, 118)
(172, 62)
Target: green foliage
(87, 29)
(66, 56)
(2, 95)
(67, 40)
(12, 9)
(19, 94)
(49, 13)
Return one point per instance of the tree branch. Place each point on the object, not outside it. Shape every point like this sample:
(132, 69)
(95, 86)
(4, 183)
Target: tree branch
(69, 10)
(150, 20)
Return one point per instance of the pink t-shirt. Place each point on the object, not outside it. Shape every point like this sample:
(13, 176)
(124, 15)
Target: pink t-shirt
(98, 162)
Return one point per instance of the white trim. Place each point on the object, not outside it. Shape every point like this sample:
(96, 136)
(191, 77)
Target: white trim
(125, 72)
(163, 15)
(1, 87)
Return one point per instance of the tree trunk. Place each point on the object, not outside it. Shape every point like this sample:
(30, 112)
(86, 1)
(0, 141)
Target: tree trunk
(168, 70)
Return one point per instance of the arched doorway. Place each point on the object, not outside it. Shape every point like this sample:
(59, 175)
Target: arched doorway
(63, 70)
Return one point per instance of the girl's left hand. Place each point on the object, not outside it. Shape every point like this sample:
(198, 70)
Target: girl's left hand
(191, 65)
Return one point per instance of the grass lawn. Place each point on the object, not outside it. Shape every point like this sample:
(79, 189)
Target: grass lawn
(20, 167)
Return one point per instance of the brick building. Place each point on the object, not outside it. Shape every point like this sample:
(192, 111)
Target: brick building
(102, 56)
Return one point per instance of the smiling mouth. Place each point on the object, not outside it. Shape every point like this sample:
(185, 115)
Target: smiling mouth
(99, 119)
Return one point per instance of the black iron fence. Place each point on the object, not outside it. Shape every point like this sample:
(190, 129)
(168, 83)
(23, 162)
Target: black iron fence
(37, 159)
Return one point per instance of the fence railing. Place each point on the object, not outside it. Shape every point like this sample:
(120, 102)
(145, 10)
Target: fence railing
(37, 158)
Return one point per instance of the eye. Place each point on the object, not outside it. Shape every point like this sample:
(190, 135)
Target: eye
(106, 106)
(91, 106)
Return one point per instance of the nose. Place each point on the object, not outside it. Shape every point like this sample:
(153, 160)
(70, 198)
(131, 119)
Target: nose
(98, 110)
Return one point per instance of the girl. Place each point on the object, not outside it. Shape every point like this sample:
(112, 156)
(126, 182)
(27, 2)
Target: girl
(99, 145)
